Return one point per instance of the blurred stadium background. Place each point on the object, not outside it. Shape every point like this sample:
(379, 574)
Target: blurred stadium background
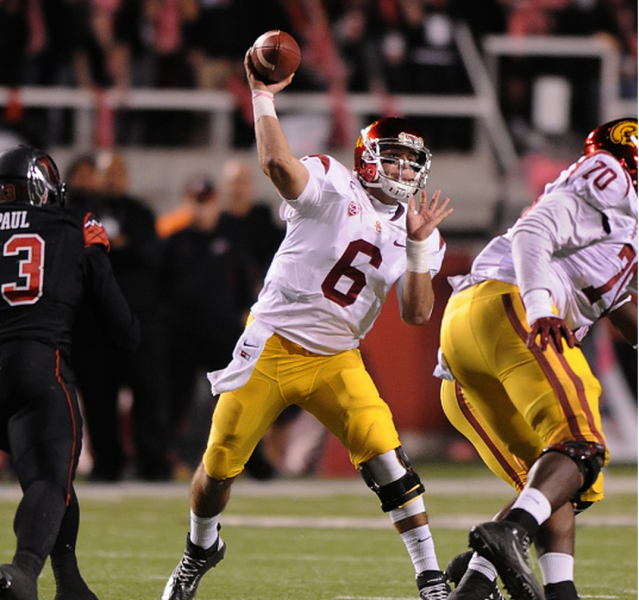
(505, 103)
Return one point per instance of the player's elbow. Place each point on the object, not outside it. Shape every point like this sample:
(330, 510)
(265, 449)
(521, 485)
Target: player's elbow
(276, 167)
(286, 173)
(417, 316)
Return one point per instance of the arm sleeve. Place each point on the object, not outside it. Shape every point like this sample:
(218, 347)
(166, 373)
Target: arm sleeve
(559, 221)
(107, 302)
(532, 253)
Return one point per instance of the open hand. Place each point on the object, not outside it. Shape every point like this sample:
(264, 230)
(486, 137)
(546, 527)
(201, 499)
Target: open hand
(421, 223)
(550, 330)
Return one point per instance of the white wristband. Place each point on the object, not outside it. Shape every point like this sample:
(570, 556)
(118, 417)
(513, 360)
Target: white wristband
(263, 105)
(417, 256)
(538, 304)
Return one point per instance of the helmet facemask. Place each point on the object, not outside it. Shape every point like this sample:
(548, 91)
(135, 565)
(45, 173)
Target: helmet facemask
(44, 183)
(29, 175)
(386, 151)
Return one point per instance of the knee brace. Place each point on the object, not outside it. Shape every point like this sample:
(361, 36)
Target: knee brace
(588, 456)
(397, 492)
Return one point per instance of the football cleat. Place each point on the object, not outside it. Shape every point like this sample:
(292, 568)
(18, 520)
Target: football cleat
(507, 545)
(195, 562)
(80, 592)
(432, 585)
(457, 566)
(15, 584)
(470, 584)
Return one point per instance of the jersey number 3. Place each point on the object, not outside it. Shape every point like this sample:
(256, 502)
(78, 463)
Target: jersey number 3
(29, 248)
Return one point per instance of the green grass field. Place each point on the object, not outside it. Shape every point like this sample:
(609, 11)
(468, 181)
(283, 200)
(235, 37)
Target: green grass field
(316, 539)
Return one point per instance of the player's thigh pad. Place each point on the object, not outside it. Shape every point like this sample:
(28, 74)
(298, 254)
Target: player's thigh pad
(511, 466)
(346, 400)
(242, 417)
(45, 431)
(484, 343)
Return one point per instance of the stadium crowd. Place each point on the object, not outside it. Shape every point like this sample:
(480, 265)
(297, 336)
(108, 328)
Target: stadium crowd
(274, 318)
(377, 46)
(382, 46)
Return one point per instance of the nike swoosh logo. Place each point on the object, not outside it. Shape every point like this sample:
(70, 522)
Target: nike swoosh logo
(396, 243)
(249, 345)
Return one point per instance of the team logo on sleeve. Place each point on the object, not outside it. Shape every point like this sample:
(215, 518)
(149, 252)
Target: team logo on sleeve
(353, 208)
(94, 233)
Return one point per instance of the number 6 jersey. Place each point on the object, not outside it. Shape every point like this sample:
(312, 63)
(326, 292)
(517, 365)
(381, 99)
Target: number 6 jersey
(586, 226)
(342, 253)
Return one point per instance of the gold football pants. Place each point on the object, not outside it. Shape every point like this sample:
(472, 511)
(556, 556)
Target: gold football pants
(510, 401)
(336, 389)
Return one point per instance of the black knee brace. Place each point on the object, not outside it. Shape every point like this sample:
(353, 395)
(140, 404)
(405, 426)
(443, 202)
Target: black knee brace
(588, 456)
(399, 492)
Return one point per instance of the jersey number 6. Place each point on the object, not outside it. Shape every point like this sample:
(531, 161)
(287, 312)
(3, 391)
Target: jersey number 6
(344, 268)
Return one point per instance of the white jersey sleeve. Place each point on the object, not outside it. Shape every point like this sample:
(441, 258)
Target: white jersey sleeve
(579, 242)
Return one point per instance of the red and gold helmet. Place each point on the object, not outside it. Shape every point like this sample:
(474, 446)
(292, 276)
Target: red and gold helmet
(619, 137)
(389, 133)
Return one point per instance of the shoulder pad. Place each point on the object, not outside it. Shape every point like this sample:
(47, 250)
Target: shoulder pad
(603, 182)
(94, 233)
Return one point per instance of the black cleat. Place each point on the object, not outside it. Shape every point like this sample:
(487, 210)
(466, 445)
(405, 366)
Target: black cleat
(470, 584)
(78, 592)
(432, 585)
(507, 545)
(457, 566)
(195, 562)
(15, 584)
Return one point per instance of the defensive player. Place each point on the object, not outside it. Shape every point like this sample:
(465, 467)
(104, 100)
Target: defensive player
(51, 259)
(516, 382)
(350, 237)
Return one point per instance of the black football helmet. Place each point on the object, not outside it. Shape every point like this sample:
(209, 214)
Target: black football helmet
(619, 137)
(392, 132)
(30, 176)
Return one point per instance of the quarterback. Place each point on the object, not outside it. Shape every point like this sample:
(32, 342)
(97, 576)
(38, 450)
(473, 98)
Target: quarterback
(351, 236)
(515, 381)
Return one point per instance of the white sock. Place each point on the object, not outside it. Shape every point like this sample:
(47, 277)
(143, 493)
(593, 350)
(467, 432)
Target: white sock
(204, 530)
(534, 502)
(421, 548)
(556, 567)
(483, 565)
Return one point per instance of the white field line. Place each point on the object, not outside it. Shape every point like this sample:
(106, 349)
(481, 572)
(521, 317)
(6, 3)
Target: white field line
(456, 522)
(319, 488)
(308, 488)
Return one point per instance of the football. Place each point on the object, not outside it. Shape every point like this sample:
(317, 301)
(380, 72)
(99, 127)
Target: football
(275, 55)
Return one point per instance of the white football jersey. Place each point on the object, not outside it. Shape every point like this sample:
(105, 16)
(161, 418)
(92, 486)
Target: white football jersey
(589, 213)
(342, 253)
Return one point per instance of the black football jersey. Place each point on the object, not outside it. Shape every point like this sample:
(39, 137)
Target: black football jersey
(51, 260)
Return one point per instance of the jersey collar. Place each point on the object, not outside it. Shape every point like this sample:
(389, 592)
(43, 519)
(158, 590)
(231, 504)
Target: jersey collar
(391, 211)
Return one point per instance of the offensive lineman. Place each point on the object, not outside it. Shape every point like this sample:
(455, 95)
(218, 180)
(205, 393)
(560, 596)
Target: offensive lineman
(52, 260)
(349, 239)
(515, 381)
